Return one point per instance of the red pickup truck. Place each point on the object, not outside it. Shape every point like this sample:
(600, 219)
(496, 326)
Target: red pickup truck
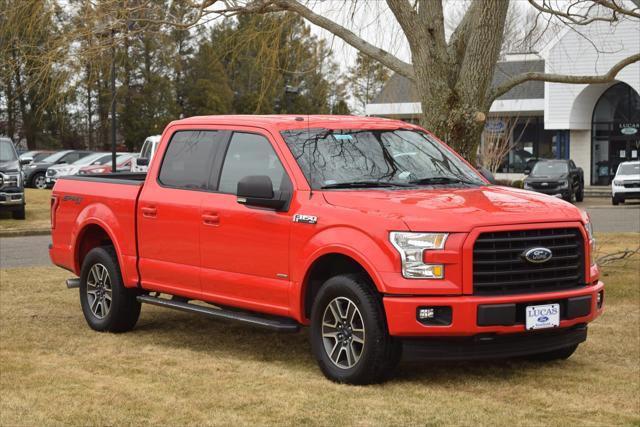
(371, 232)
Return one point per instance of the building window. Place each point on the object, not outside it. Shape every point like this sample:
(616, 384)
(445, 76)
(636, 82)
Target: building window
(615, 132)
(516, 142)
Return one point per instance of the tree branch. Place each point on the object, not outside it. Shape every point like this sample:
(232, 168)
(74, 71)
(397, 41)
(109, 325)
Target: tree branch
(583, 18)
(387, 59)
(561, 78)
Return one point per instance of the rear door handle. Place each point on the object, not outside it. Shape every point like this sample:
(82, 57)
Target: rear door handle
(149, 212)
(211, 219)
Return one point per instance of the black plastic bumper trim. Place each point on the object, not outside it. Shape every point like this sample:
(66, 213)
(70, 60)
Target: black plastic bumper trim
(493, 346)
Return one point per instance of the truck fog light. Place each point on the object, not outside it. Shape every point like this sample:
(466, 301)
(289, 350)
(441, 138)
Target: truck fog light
(434, 316)
(600, 299)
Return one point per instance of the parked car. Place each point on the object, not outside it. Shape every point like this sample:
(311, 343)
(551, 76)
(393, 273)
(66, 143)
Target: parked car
(35, 172)
(123, 164)
(34, 156)
(11, 180)
(561, 178)
(626, 183)
(56, 171)
(283, 221)
(148, 150)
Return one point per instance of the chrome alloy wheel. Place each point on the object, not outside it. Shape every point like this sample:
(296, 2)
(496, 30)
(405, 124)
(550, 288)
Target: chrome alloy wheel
(40, 182)
(343, 332)
(99, 290)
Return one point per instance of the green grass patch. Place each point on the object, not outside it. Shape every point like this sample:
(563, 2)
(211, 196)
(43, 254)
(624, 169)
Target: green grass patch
(177, 369)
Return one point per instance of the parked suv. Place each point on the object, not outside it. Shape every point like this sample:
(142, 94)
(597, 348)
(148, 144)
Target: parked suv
(11, 180)
(35, 173)
(561, 178)
(626, 183)
(370, 231)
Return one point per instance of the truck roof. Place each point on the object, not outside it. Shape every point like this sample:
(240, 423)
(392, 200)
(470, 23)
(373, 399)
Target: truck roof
(298, 121)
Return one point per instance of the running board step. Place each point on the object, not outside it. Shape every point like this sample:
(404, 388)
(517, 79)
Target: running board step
(279, 324)
(73, 283)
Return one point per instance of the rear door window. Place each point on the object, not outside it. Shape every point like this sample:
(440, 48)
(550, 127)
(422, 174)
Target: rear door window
(251, 154)
(188, 159)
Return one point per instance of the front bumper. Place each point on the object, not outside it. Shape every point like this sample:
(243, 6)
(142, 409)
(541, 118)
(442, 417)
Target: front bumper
(402, 312)
(557, 192)
(621, 192)
(492, 346)
(11, 199)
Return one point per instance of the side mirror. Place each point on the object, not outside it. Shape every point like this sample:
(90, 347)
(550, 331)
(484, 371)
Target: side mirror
(527, 171)
(142, 161)
(26, 160)
(257, 190)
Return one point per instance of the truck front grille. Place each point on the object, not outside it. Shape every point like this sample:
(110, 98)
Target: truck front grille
(544, 185)
(499, 266)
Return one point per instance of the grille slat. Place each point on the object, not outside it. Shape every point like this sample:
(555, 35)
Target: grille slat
(500, 269)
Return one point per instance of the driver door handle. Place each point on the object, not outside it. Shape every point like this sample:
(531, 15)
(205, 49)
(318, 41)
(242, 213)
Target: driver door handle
(149, 212)
(211, 219)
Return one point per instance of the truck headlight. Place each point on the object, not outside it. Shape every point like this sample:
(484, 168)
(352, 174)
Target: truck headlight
(411, 247)
(563, 184)
(618, 183)
(527, 186)
(592, 240)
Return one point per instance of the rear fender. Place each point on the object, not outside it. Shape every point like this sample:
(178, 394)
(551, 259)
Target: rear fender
(102, 216)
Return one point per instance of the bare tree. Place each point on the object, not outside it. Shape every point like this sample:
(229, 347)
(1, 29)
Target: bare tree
(452, 75)
(496, 143)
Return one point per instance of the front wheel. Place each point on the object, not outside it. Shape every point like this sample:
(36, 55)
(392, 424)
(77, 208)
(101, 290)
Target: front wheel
(39, 181)
(107, 305)
(19, 213)
(349, 336)
(615, 201)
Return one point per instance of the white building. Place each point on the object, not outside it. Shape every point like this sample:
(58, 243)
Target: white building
(597, 125)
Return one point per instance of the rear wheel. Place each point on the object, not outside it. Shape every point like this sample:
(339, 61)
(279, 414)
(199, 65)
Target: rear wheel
(107, 305)
(559, 354)
(580, 193)
(349, 335)
(19, 213)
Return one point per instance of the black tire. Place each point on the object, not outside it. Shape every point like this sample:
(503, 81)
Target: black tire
(615, 201)
(580, 193)
(124, 309)
(38, 181)
(568, 197)
(379, 354)
(559, 354)
(19, 213)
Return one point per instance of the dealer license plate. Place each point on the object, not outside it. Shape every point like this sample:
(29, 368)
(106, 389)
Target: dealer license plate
(542, 316)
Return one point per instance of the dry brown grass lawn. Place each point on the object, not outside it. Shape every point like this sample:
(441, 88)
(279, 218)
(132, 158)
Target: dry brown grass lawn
(38, 213)
(177, 369)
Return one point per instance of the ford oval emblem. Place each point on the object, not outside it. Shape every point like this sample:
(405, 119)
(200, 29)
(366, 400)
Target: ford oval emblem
(537, 255)
(542, 319)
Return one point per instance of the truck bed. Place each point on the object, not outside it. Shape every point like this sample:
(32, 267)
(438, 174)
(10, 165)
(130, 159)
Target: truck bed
(86, 203)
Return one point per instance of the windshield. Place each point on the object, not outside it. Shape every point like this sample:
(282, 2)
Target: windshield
(397, 157)
(629, 169)
(147, 147)
(54, 157)
(549, 169)
(7, 152)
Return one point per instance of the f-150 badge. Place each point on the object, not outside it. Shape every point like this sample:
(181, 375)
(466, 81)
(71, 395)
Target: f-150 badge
(305, 219)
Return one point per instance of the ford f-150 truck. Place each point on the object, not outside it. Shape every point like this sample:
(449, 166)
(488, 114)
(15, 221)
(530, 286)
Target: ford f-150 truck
(370, 231)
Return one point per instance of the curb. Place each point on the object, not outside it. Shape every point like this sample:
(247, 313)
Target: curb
(23, 233)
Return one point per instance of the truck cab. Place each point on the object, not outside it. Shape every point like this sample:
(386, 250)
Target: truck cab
(371, 232)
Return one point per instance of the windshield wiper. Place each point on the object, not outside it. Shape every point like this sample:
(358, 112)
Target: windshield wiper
(365, 184)
(442, 180)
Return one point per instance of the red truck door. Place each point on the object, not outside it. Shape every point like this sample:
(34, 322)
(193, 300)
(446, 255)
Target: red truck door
(169, 213)
(245, 249)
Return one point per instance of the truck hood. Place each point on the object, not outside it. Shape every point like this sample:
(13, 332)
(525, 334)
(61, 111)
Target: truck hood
(10, 166)
(457, 210)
